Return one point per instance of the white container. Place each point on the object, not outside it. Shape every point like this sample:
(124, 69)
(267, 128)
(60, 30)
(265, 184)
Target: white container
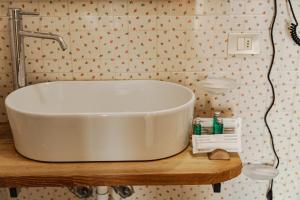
(230, 140)
(100, 120)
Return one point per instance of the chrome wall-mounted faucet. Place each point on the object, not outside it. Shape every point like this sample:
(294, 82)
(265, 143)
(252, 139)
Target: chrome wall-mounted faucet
(17, 35)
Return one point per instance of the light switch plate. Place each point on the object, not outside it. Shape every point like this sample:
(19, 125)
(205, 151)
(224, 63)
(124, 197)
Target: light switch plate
(244, 43)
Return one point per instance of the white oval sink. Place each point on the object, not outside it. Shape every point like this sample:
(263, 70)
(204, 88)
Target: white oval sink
(100, 120)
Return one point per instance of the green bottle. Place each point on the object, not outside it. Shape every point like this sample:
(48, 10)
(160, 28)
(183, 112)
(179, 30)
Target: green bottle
(197, 128)
(221, 126)
(217, 123)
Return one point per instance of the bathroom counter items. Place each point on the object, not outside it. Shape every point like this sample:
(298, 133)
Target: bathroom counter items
(181, 169)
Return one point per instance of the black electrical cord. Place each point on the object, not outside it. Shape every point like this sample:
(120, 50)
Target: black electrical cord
(270, 191)
(293, 26)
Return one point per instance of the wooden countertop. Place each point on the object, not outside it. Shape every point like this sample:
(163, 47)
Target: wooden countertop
(181, 169)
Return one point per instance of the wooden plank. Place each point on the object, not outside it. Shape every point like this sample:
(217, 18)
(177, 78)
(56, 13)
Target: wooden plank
(17, 171)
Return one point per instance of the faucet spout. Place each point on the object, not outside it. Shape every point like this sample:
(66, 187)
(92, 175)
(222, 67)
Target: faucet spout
(49, 36)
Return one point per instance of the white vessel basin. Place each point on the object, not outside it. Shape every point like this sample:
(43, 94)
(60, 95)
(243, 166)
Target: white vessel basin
(100, 120)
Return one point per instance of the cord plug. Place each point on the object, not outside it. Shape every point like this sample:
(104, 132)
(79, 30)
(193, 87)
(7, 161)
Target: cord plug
(270, 195)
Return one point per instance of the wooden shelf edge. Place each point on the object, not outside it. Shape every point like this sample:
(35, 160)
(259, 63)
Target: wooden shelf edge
(101, 180)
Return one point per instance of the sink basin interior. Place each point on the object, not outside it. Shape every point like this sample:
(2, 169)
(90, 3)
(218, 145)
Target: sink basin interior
(107, 97)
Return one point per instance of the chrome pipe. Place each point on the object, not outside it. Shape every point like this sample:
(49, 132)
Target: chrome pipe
(16, 48)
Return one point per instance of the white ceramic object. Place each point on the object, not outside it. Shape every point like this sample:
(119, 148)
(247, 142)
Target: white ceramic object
(229, 141)
(260, 172)
(217, 85)
(100, 120)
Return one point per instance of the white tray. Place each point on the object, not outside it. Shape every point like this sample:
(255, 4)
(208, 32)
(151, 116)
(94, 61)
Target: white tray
(230, 140)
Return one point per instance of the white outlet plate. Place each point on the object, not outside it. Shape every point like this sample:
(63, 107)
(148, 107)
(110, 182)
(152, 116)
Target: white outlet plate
(235, 48)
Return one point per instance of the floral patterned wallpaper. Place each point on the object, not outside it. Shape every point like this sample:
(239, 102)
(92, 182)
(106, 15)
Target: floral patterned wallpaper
(181, 41)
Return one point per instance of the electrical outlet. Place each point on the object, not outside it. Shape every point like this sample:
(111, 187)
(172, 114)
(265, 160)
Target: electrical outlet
(244, 43)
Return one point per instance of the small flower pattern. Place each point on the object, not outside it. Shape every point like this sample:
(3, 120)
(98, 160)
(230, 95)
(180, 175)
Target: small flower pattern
(182, 41)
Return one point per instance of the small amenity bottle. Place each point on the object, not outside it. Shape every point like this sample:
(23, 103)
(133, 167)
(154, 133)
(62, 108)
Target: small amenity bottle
(197, 128)
(217, 123)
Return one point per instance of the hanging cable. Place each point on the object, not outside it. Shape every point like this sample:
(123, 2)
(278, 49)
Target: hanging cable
(270, 190)
(293, 26)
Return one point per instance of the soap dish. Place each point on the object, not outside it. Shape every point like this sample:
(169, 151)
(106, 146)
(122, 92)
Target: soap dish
(218, 85)
(260, 172)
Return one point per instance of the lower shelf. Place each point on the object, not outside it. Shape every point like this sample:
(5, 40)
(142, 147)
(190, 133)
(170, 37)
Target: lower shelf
(181, 169)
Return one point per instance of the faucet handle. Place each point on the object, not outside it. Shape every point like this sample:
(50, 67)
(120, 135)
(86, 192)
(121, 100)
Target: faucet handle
(29, 13)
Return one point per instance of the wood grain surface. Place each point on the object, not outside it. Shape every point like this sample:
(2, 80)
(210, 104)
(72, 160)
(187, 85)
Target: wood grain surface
(181, 169)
